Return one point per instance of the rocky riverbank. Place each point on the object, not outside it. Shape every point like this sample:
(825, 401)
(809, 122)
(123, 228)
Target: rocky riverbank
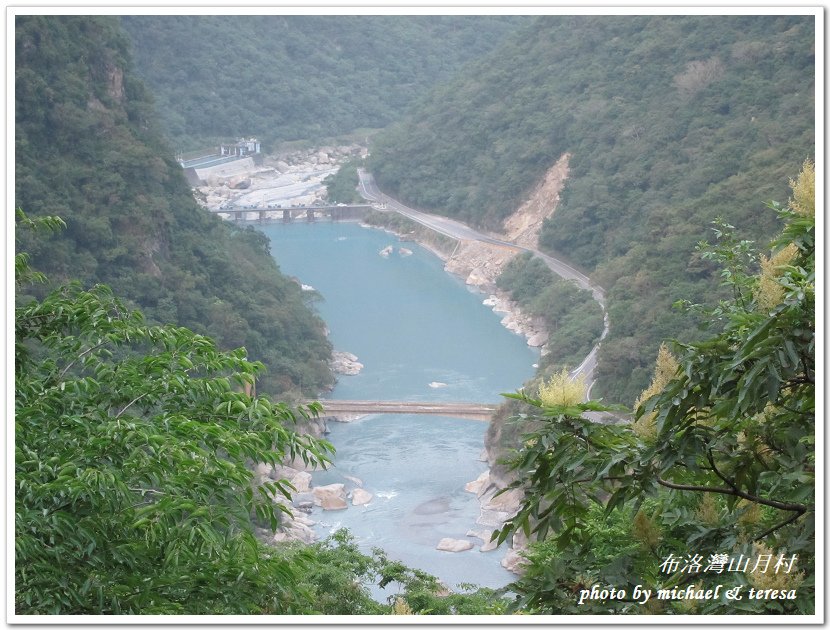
(279, 180)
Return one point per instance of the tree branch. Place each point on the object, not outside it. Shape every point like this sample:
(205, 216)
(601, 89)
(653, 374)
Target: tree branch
(779, 526)
(81, 356)
(790, 507)
(715, 470)
(130, 404)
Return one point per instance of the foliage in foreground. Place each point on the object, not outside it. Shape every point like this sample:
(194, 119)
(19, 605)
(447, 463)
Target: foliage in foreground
(719, 463)
(341, 572)
(133, 491)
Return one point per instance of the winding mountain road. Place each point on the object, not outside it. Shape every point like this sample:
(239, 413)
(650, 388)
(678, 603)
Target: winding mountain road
(454, 229)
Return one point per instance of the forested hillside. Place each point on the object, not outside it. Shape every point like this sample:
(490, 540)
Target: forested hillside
(298, 77)
(670, 121)
(88, 149)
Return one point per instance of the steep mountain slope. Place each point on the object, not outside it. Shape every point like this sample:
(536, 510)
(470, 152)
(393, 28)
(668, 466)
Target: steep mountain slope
(298, 77)
(671, 121)
(88, 149)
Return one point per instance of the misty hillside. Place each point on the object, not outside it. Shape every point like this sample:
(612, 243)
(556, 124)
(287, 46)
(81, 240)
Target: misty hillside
(670, 122)
(89, 149)
(299, 77)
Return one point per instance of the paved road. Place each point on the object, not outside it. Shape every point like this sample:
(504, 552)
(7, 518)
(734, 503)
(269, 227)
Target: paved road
(457, 230)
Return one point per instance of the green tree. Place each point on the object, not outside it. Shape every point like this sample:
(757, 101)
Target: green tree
(89, 150)
(723, 451)
(342, 186)
(133, 450)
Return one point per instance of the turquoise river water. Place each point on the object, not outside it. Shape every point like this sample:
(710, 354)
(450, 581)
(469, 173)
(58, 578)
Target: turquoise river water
(421, 334)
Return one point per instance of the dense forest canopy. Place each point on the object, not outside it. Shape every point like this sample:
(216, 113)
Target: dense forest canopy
(670, 121)
(285, 77)
(88, 149)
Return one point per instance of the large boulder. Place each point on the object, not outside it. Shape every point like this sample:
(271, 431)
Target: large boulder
(304, 502)
(345, 363)
(239, 183)
(454, 545)
(301, 481)
(361, 496)
(537, 340)
(509, 501)
(333, 503)
(331, 491)
(481, 484)
(513, 562)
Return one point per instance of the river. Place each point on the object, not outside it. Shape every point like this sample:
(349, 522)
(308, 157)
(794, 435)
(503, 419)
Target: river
(421, 334)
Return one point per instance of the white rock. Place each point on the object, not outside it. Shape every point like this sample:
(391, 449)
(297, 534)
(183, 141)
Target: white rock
(477, 278)
(454, 545)
(345, 363)
(513, 562)
(437, 385)
(506, 502)
(301, 481)
(333, 503)
(491, 518)
(403, 251)
(386, 251)
(479, 484)
(334, 490)
(361, 496)
(537, 340)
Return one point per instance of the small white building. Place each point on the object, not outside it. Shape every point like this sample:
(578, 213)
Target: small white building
(241, 147)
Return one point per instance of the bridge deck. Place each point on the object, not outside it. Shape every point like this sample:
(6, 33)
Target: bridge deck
(475, 411)
(278, 208)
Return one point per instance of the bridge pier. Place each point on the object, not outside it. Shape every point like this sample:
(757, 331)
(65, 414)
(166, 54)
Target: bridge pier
(310, 215)
(262, 216)
(286, 216)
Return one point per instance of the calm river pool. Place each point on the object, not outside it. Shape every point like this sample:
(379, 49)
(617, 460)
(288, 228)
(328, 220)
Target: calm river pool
(421, 334)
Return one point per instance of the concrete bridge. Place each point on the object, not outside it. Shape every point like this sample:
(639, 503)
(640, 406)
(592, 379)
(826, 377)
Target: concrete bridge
(343, 212)
(470, 411)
